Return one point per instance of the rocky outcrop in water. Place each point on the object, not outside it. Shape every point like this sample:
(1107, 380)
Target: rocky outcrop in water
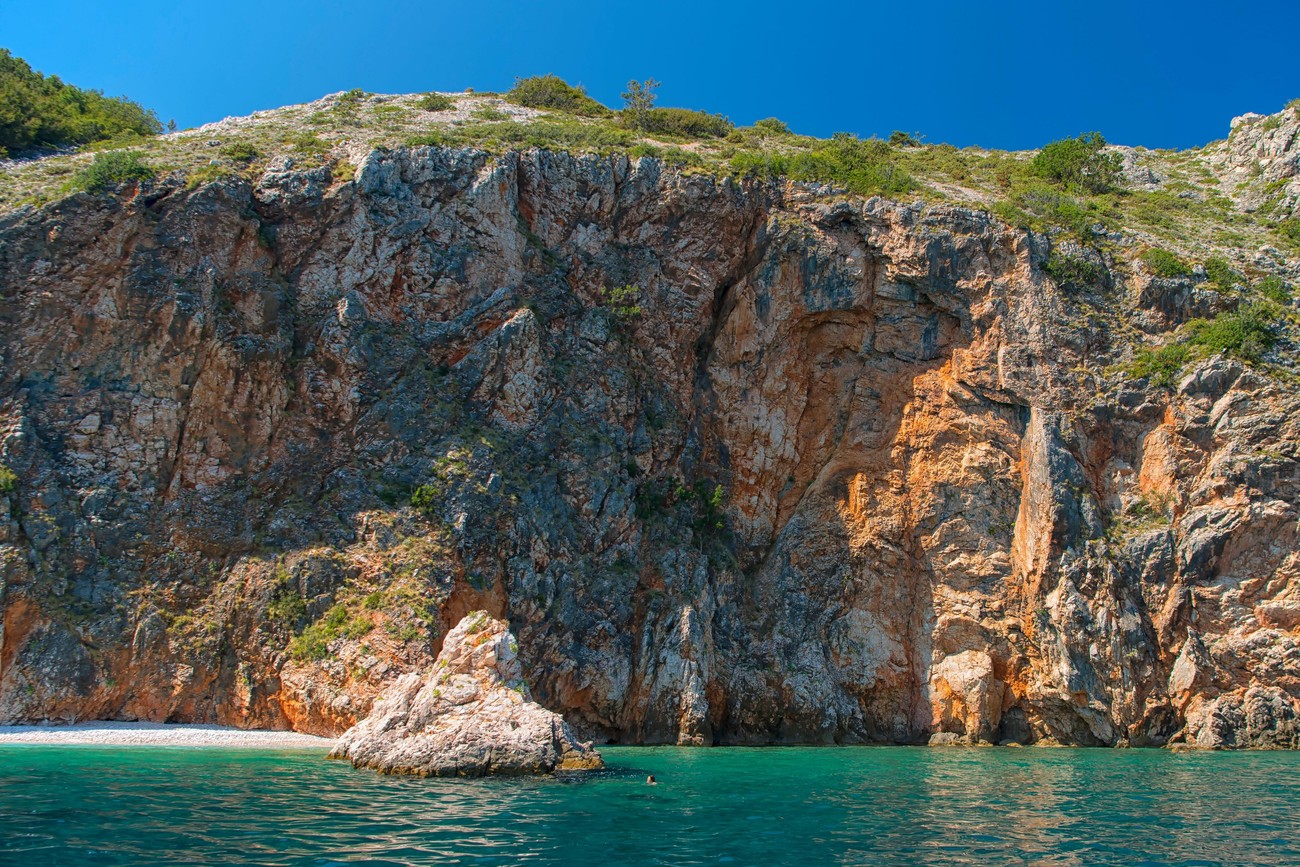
(739, 462)
(471, 716)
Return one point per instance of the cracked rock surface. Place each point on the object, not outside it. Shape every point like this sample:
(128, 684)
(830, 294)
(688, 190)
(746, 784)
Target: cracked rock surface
(737, 462)
(470, 716)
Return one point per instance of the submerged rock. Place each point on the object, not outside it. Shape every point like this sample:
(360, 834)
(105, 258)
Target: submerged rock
(471, 716)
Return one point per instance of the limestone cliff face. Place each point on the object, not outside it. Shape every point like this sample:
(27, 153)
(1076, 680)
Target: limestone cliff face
(831, 471)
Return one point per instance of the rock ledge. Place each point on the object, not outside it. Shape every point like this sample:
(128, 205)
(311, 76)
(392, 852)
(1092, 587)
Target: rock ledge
(473, 715)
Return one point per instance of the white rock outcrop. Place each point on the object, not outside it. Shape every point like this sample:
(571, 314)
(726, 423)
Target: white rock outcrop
(471, 716)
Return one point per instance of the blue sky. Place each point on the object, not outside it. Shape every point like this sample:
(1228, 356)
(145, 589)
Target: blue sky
(1001, 73)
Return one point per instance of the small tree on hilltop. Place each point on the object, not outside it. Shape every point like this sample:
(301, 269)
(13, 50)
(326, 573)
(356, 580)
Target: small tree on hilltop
(638, 100)
(1079, 162)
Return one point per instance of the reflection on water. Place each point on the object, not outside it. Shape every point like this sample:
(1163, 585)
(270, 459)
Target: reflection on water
(914, 806)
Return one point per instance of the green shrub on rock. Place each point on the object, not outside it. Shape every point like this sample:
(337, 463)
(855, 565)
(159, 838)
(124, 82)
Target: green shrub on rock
(553, 92)
(435, 102)
(1289, 231)
(865, 166)
(1221, 273)
(772, 126)
(1068, 270)
(1246, 334)
(685, 122)
(1080, 163)
(1275, 289)
(1162, 263)
(1160, 366)
(110, 169)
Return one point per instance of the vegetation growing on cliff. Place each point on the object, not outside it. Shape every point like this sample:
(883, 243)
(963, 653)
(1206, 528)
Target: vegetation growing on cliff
(40, 111)
(1172, 215)
(553, 92)
(110, 169)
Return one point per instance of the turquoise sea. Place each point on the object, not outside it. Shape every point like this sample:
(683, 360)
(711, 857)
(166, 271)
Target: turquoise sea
(829, 805)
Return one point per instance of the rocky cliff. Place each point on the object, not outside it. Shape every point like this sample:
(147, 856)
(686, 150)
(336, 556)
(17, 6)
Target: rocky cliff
(739, 462)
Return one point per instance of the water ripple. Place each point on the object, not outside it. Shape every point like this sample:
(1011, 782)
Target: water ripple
(61, 805)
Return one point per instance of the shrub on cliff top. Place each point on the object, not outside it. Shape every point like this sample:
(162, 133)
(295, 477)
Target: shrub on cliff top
(772, 126)
(684, 122)
(553, 92)
(863, 166)
(41, 111)
(1079, 163)
(110, 169)
(435, 102)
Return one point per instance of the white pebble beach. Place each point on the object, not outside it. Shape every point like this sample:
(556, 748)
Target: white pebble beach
(142, 734)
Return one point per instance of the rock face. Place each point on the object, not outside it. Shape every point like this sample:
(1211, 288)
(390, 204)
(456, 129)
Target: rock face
(471, 716)
(741, 463)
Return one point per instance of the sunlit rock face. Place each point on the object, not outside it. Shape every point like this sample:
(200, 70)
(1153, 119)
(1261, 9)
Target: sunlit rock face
(471, 715)
(736, 462)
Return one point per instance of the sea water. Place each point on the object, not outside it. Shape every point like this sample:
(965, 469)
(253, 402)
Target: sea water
(828, 805)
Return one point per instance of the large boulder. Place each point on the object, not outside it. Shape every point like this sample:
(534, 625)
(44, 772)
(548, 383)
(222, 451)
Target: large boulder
(473, 715)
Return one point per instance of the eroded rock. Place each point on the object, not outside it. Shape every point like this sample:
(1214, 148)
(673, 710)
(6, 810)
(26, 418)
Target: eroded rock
(471, 716)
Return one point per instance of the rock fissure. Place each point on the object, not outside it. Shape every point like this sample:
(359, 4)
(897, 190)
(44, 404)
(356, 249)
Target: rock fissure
(853, 472)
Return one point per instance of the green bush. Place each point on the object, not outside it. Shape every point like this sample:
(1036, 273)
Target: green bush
(8, 480)
(759, 164)
(1079, 163)
(435, 102)
(861, 166)
(772, 126)
(900, 139)
(428, 497)
(1160, 366)
(1040, 207)
(207, 174)
(1220, 273)
(489, 113)
(1247, 334)
(41, 111)
(287, 608)
(1067, 270)
(1289, 231)
(309, 144)
(240, 152)
(622, 301)
(1162, 263)
(1275, 289)
(557, 134)
(314, 641)
(553, 92)
(684, 122)
(110, 169)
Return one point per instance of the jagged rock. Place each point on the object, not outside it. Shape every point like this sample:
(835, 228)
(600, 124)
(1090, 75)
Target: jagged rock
(471, 716)
(837, 471)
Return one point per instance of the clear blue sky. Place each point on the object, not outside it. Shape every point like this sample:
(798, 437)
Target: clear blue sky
(998, 73)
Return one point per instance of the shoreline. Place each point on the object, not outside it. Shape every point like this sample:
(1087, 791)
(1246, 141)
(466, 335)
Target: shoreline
(106, 733)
